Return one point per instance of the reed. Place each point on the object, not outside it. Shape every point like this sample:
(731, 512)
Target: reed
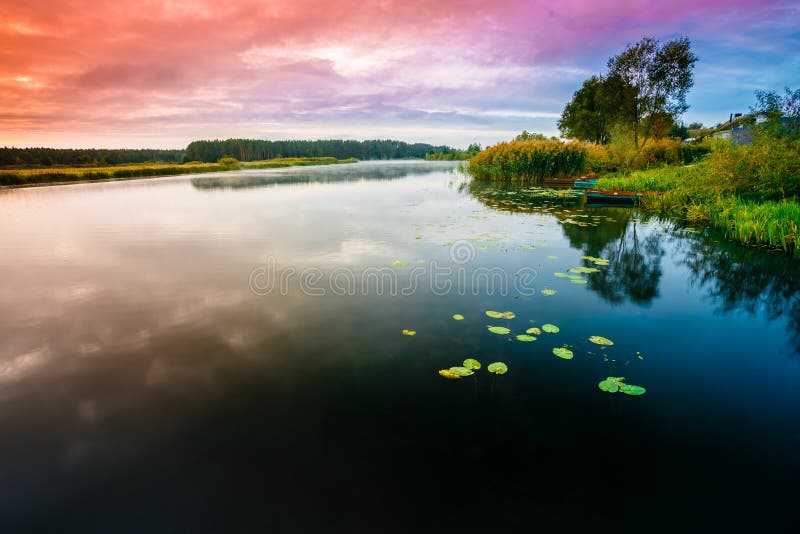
(529, 161)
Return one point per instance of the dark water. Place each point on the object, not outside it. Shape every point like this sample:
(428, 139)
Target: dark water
(153, 379)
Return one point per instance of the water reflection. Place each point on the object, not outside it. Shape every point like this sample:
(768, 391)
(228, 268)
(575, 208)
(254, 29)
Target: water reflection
(350, 172)
(607, 232)
(742, 278)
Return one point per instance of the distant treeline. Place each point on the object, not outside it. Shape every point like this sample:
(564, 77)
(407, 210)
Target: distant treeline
(256, 149)
(85, 156)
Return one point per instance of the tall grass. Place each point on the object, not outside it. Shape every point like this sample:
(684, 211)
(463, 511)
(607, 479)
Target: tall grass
(528, 161)
(23, 177)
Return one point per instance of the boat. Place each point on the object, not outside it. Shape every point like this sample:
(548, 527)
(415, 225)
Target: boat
(585, 183)
(611, 197)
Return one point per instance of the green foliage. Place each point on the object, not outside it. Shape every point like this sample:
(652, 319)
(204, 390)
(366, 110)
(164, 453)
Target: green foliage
(29, 157)
(528, 136)
(529, 161)
(257, 149)
(642, 93)
(228, 161)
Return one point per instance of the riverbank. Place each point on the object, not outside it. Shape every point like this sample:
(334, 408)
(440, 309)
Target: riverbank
(695, 194)
(26, 177)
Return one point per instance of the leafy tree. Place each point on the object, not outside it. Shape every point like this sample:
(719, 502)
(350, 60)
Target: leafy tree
(782, 112)
(659, 77)
(528, 136)
(643, 92)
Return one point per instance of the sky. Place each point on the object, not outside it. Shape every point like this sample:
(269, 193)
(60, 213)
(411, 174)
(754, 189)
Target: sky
(114, 74)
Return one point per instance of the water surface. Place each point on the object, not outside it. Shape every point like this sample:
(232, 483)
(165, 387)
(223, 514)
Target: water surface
(224, 353)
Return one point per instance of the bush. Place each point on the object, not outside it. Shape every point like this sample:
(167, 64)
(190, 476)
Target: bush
(529, 161)
(228, 161)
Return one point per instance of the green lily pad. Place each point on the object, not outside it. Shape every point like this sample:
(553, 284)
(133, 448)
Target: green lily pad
(407, 332)
(502, 330)
(550, 328)
(578, 281)
(563, 352)
(508, 315)
(613, 384)
(552, 257)
(600, 340)
(630, 389)
(561, 275)
(461, 371)
(548, 292)
(447, 373)
(525, 337)
(498, 368)
(398, 263)
(472, 363)
(533, 330)
(494, 314)
(458, 317)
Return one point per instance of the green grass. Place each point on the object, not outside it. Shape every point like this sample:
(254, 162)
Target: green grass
(694, 194)
(34, 176)
(528, 161)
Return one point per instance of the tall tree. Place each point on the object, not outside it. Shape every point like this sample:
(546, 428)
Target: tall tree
(659, 76)
(644, 92)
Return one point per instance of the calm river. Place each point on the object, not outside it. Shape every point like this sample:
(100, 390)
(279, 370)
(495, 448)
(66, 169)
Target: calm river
(225, 353)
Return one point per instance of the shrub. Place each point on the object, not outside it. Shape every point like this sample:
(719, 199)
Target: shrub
(529, 161)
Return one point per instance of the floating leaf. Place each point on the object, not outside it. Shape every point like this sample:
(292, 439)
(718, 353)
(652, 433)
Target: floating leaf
(458, 317)
(613, 384)
(472, 363)
(407, 332)
(498, 330)
(494, 314)
(525, 337)
(563, 352)
(600, 340)
(552, 257)
(551, 328)
(561, 275)
(548, 292)
(630, 389)
(398, 263)
(461, 371)
(498, 368)
(533, 330)
(447, 373)
(508, 315)
(578, 281)
(527, 247)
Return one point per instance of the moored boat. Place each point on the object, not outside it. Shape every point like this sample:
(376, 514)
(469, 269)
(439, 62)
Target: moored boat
(616, 197)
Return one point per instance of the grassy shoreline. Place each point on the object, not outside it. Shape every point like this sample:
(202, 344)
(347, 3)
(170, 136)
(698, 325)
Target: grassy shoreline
(14, 178)
(690, 193)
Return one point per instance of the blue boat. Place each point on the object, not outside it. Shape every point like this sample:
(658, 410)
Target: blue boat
(585, 183)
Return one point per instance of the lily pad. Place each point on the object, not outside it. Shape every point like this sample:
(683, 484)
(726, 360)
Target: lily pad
(613, 384)
(630, 389)
(600, 340)
(458, 317)
(461, 371)
(508, 315)
(447, 373)
(561, 275)
(472, 363)
(498, 368)
(552, 257)
(407, 332)
(550, 328)
(502, 330)
(494, 314)
(525, 337)
(533, 330)
(578, 281)
(563, 352)
(548, 292)
(398, 263)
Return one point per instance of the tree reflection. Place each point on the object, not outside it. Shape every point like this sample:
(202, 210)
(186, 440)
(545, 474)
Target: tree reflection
(749, 279)
(635, 270)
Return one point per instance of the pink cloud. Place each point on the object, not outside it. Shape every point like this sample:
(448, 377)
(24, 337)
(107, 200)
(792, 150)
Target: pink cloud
(80, 67)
